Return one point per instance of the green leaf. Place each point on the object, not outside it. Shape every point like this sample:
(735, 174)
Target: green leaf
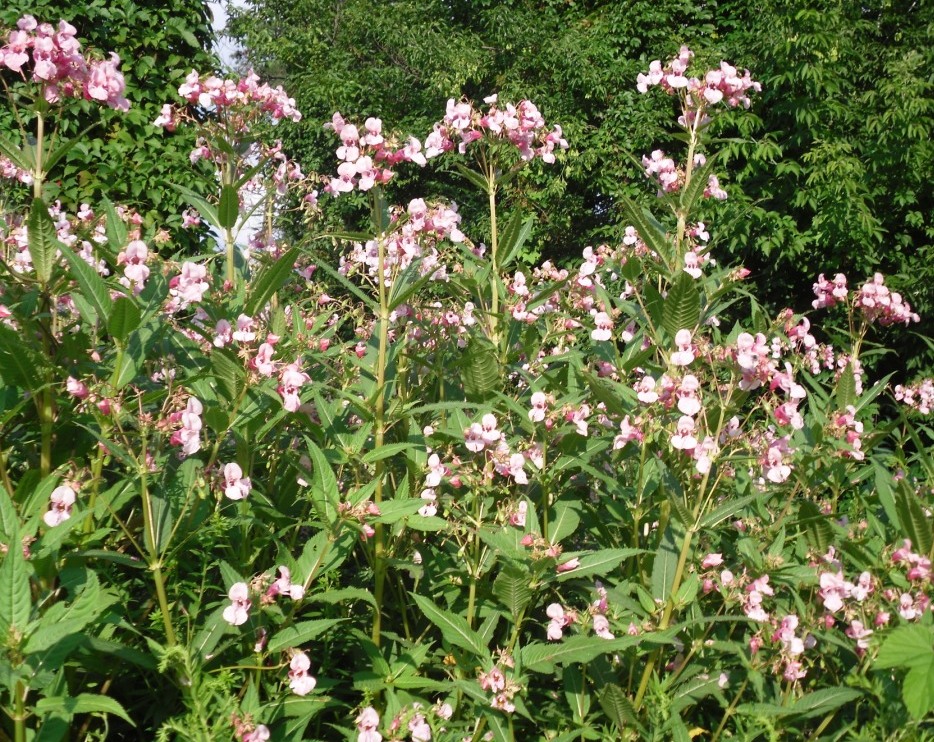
(540, 657)
(824, 701)
(698, 184)
(392, 511)
(19, 363)
(474, 177)
(9, 519)
(269, 281)
(682, 305)
(66, 619)
(85, 703)
(846, 388)
(229, 207)
(43, 240)
(53, 157)
(599, 563)
(665, 564)
(385, 451)
(200, 203)
(654, 238)
(300, 633)
(325, 493)
(124, 318)
(14, 154)
(15, 598)
(338, 596)
(116, 232)
(918, 690)
(617, 706)
(564, 520)
(915, 524)
(513, 238)
(93, 288)
(512, 589)
(480, 369)
(906, 646)
(818, 530)
(454, 628)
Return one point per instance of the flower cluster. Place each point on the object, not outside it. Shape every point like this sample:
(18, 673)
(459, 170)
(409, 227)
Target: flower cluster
(368, 159)
(723, 84)
(500, 685)
(240, 101)
(918, 396)
(415, 238)
(188, 433)
(521, 124)
(878, 304)
(59, 66)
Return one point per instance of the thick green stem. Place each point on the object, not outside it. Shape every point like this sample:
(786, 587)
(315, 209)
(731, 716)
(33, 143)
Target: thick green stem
(379, 435)
(19, 714)
(494, 257)
(38, 173)
(46, 423)
(151, 543)
(229, 247)
(666, 616)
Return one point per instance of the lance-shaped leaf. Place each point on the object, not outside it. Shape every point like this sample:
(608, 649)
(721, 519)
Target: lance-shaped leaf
(14, 154)
(93, 288)
(513, 238)
(512, 589)
(269, 281)
(300, 633)
(454, 628)
(84, 703)
(200, 203)
(124, 318)
(15, 599)
(480, 370)
(229, 207)
(43, 240)
(682, 305)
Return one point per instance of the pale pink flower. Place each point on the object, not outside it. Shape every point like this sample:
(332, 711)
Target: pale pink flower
(237, 613)
(60, 503)
(300, 681)
(236, 486)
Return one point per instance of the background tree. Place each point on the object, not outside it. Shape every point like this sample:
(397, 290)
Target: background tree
(124, 156)
(833, 165)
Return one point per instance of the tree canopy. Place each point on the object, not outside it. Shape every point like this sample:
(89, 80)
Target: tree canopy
(829, 174)
(123, 155)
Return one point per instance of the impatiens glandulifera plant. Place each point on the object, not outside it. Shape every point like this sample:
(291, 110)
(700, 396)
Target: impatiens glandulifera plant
(398, 485)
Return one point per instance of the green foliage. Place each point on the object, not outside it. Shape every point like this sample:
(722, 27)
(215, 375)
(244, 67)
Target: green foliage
(123, 156)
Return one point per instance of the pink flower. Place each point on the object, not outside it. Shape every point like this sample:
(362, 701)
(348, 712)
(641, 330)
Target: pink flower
(285, 586)
(300, 681)
(237, 613)
(367, 722)
(601, 627)
(494, 680)
(684, 356)
(236, 486)
(60, 503)
(290, 381)
(604, 325)
(712, 560)
(568, 565)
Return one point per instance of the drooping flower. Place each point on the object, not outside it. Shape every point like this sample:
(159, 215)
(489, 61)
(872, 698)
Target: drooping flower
(60, 503)
(238, 612)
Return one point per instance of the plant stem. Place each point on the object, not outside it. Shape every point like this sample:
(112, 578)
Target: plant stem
(494, 255)
(229, 248)
(379, 434)
(19, 715)
(152, 549)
